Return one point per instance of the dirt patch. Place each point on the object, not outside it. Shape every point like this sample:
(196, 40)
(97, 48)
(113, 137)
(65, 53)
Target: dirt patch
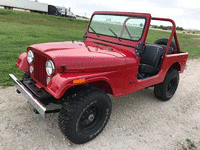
(138, 121)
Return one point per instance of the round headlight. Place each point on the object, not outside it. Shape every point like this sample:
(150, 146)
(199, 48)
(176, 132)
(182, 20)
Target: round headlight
(30, 57)
(50, 68)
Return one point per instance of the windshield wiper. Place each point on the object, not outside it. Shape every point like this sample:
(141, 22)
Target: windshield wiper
(94, 31)
(114, 34)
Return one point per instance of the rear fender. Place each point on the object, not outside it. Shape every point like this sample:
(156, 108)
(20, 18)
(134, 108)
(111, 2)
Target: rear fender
(175, 61)
(22, 62)
(176, 66)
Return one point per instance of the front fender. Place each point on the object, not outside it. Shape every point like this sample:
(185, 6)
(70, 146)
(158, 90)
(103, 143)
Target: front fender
(61, 82)
(22, 62)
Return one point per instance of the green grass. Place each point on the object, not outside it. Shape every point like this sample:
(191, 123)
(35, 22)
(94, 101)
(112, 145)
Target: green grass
(19, 29)
(188, 43)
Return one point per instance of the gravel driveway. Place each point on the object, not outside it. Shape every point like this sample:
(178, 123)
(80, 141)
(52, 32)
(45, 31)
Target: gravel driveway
(139, 121)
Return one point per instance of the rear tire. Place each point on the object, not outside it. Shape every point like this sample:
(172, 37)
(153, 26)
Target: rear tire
(84, 115)
(164, 42)
(165, 90)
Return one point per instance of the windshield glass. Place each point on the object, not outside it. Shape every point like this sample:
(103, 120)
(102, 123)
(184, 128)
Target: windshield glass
(125, 27)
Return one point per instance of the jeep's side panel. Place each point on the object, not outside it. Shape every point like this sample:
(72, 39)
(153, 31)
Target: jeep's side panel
(181, 58)
(134, 84)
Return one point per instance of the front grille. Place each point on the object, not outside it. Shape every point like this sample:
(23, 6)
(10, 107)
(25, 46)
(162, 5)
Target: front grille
(39, 68)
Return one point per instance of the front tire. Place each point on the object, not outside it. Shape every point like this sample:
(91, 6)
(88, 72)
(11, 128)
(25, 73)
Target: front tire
(165, 90)
(84, 115)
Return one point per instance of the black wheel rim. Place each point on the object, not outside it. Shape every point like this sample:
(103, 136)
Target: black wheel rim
(171, 88)
(90, 118)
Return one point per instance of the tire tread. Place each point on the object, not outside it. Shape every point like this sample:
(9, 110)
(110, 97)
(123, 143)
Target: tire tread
(68, 112)
(159, 88)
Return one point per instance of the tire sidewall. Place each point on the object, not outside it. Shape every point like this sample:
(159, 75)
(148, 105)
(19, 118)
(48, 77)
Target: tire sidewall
(102, 122)
(72, 112)
(171, 76)
(164, 42)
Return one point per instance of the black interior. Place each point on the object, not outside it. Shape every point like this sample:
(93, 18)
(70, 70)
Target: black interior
(151, 59)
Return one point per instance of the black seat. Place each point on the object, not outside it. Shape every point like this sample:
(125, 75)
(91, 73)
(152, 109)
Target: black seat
(151, 58)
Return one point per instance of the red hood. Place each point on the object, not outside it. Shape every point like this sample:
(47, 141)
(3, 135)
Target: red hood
(78, 57)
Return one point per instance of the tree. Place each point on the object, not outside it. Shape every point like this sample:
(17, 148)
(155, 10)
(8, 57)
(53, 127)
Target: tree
(179, 28)
(141, 25)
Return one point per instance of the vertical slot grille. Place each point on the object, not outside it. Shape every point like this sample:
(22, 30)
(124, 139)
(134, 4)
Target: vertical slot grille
(39, 68)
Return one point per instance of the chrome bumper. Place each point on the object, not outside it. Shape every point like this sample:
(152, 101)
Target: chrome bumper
(27, 94)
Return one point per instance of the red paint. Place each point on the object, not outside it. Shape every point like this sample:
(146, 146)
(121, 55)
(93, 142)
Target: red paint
(113, 63)
(22, 62)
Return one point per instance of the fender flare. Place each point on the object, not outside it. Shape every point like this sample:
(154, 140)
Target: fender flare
(22, 62)
(61, 83)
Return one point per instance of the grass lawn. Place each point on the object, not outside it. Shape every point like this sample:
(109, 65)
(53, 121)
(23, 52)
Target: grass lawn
(188, 43)
(21, 29)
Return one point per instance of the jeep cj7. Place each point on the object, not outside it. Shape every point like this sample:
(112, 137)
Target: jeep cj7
(113, 58)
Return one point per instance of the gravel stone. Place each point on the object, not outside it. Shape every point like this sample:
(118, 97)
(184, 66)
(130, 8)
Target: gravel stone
(138, 121)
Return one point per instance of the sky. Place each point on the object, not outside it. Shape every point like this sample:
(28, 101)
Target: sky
(186, 13)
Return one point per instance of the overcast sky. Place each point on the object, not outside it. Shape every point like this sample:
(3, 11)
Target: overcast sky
(186, 13)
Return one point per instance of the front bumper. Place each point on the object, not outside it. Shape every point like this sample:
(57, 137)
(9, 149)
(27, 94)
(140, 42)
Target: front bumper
(33, 100)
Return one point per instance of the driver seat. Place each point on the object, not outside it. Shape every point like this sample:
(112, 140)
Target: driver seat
(151, 58)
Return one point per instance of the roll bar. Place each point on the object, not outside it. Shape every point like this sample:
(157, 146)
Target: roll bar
(173, 33)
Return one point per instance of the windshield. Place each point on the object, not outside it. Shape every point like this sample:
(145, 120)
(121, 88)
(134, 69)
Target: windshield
(122, 27)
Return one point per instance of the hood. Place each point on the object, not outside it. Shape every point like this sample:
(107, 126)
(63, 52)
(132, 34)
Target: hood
(78, 57)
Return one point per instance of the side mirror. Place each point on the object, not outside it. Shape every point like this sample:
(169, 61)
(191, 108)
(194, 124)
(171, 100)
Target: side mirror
(139, 49)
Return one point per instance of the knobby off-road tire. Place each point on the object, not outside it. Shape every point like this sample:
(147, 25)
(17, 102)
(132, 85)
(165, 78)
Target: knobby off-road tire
(165, 90)
(84, 115)
(164, 42)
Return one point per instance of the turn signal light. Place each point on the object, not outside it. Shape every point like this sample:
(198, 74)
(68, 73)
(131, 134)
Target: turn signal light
(79, 80)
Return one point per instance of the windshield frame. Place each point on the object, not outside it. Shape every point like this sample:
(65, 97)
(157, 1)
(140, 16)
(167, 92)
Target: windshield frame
(125, 15)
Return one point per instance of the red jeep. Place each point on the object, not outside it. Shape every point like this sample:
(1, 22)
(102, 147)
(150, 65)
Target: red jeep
(112, 59)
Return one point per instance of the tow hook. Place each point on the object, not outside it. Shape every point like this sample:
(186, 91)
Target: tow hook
(18, 91)
(35, 111)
